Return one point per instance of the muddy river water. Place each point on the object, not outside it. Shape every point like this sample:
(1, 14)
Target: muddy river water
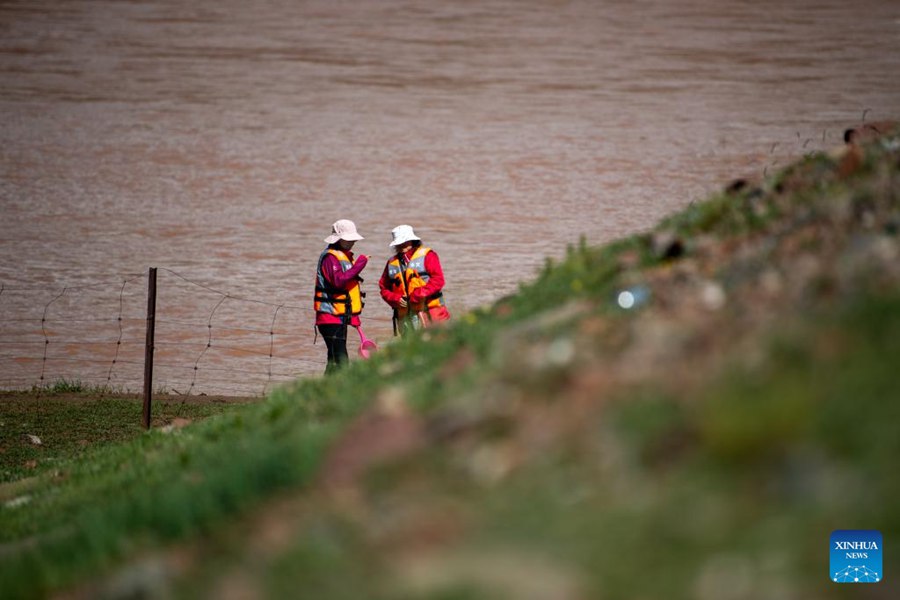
(219, 140)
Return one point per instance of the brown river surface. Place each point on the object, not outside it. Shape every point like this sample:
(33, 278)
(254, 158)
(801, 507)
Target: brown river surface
(218, 141)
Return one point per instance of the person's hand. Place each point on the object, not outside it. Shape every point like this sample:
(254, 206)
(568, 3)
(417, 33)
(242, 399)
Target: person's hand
(402, 302)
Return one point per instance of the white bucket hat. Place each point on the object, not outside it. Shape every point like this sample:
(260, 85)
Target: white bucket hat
(343, 230)
(403, 234)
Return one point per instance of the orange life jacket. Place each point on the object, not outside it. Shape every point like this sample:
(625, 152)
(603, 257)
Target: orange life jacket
(334, 301)
(403, 279)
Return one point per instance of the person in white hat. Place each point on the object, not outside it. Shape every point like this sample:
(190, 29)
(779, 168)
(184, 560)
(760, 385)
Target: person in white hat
(338, 298)
(413, 282)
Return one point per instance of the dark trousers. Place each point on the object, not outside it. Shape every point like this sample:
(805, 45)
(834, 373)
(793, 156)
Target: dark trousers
(335, 337)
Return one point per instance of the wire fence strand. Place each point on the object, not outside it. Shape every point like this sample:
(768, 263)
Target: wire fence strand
(207, 340)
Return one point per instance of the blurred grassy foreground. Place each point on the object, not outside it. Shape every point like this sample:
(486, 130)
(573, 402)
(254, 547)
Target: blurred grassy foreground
(702, 443)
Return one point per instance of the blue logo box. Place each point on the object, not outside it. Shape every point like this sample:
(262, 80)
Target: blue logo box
(856, 556)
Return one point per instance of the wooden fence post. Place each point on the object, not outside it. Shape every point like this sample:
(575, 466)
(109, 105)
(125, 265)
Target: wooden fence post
(148, 351)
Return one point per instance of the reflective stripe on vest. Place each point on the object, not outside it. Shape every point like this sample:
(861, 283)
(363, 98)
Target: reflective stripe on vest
(414, 276)
(331, 300)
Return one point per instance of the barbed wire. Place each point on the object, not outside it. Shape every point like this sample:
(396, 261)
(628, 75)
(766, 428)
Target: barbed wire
(85, 286)
(225, 295)
(118, 341)
(240, 351)
(247, 352)
(44, 331)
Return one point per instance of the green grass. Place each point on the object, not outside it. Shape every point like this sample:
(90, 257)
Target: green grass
(71, 420)
(63, 386)
(158, 487)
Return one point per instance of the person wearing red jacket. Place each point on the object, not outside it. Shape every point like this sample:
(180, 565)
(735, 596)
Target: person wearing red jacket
(412, 282)
(338, 299)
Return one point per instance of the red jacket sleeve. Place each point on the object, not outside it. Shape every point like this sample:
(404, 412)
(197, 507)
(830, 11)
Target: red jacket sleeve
(392, 298)
(336, 276)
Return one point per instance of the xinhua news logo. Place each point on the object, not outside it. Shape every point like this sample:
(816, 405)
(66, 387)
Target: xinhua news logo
(856, 556)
